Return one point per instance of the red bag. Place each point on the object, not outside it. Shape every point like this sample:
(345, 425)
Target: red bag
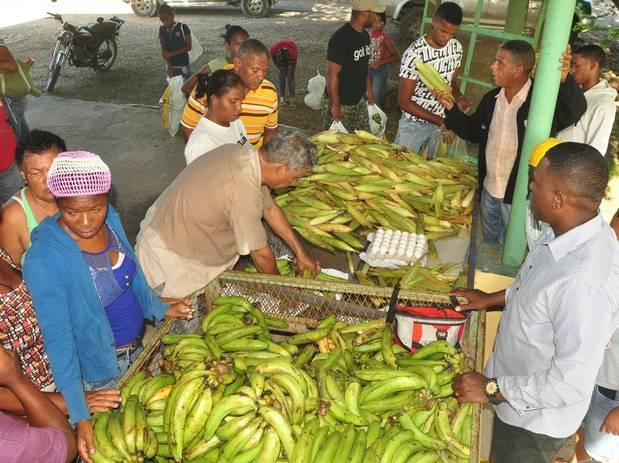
(414, 327)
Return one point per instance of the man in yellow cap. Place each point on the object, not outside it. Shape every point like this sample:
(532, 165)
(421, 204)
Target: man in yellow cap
(348, 58)
(532, 226)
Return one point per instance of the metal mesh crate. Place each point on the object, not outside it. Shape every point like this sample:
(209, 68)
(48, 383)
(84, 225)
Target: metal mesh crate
(302, 304)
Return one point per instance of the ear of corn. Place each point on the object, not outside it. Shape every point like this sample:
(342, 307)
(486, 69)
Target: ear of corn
(362, 183)
(431, 78)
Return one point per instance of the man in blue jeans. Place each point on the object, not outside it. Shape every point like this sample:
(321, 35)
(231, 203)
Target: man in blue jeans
(422, 113)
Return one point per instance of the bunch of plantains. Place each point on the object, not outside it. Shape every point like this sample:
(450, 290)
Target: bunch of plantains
(362, 183)
(338, 393)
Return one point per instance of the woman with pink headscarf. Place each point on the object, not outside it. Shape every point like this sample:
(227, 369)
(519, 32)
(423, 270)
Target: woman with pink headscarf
(89, 293)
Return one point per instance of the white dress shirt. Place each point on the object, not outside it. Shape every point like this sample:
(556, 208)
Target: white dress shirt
(559, 316)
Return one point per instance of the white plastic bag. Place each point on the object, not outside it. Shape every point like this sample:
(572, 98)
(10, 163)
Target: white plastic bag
(377, 119)
(338, 127)
(196, 48)
(313, 100)
(173, 104)
(317, 83)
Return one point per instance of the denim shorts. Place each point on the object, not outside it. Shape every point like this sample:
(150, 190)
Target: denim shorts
(601, 446)
(125, 359)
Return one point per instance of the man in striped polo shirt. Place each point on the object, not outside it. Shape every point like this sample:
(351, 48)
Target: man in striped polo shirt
(259, 107)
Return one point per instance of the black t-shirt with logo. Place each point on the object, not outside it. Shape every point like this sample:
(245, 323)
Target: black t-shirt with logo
(174, 39)
(351, 50)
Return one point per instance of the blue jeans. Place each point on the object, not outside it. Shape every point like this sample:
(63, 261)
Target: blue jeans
(494, 217)
(11, 182)
(124, 362)
(600, 446)
(379, 77)
(415, 135)
(16, 109)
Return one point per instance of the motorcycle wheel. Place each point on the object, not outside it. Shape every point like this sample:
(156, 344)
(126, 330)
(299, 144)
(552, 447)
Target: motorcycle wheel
(105, 55)
(52, 77)
(55, 66)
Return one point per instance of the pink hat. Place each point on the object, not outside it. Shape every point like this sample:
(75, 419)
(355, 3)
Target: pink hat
(78, 173)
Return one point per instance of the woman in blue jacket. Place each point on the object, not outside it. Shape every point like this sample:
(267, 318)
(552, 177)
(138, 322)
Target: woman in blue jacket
(89, 293)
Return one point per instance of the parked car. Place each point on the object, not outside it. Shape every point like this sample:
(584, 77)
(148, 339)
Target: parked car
(408, 13)
(251, 8)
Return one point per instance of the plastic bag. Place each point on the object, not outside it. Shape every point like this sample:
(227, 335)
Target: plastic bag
(313, 100)
(317, 83)
(18, 84)
(338, 127)
(173, 104)
(196, 48)
(455, 150)
(377, 119)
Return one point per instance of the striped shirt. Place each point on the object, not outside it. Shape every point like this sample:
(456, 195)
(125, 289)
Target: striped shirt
(560, 314)
(258, 111)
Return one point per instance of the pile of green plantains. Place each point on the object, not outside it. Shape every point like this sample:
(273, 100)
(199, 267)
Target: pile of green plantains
(338, 393)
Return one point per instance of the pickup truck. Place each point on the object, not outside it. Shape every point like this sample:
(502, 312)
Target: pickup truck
(408, 13)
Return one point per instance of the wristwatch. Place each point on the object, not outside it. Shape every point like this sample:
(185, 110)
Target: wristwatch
(491, 389)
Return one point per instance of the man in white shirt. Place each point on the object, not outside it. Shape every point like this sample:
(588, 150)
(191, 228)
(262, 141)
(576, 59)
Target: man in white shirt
(559, 314)
(595, 126)
(422, 114)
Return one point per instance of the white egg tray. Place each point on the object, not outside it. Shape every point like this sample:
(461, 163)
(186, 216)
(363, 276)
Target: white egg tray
(395, 248)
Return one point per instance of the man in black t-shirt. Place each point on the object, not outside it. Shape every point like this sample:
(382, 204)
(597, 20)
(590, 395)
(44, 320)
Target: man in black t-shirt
(348, 57)
(175, 40)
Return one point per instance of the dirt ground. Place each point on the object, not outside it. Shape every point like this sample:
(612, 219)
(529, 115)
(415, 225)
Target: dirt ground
(137, 77)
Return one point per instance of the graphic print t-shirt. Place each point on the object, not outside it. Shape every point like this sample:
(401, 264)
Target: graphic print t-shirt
(445, 60)
(351, 50)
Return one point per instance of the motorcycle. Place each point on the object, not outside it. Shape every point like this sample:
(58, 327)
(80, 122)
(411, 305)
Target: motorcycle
(92, 46)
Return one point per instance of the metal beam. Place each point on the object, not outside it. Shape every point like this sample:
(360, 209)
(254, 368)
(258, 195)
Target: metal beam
(516, 16)
(541, 112)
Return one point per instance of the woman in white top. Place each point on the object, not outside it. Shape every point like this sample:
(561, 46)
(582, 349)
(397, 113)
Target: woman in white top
(221, 124)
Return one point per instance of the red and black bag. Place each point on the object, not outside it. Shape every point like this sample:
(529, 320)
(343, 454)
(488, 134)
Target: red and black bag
(416, 326)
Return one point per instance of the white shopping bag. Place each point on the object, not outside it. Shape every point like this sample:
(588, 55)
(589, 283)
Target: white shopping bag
(313, 100)
(338, 127)
(173, 104)
(196, 48)
(317, 83)
(377, 119)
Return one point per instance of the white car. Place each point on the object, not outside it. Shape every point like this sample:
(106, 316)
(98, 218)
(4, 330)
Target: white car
(251, 8)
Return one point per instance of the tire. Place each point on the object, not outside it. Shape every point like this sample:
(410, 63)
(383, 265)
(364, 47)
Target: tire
(55, 66)
(52, 77)
(145, 8)
(410, 24)
(255, 8)
(105, 55)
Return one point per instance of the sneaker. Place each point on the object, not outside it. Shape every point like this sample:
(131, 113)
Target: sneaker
(291, 101)
(282, 101)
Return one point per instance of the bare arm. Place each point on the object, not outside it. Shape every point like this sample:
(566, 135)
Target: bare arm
(14, 236)
(264, 260)
(394, 53)
(277, 220)
(40, 411)
(268, 134)
(405, 92)
(98, 401)
(333, 88)
(479, 300)
(8, 65)
(190, 83)
(368, 91)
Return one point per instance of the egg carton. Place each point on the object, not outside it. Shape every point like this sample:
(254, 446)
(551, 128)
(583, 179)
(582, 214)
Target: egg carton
(395, 248)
